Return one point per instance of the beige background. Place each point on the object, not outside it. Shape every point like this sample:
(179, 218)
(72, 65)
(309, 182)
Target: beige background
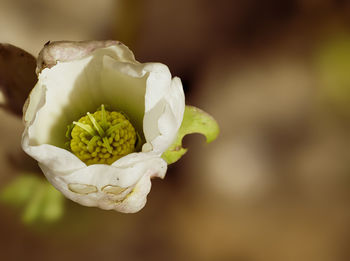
(273, 187)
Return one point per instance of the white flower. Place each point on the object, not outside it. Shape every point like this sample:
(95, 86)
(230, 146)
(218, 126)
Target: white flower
(75, 78)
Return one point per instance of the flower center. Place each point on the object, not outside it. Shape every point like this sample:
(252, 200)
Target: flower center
(102, 137)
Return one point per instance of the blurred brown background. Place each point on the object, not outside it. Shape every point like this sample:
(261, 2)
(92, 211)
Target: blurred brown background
(275, 186)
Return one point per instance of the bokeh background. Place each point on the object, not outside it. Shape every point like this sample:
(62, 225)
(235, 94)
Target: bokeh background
(274, 186)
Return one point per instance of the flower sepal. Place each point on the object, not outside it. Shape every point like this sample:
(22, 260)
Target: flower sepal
(194, 121)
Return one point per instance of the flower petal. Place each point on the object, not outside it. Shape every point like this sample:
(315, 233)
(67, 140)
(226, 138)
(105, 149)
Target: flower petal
(136, 199)
(162, 121)
(92, 185)
(65, 51)
(87, 83)
(17, 70)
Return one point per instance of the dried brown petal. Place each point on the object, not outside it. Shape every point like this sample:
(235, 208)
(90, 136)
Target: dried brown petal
(17, 77)
(65, 51)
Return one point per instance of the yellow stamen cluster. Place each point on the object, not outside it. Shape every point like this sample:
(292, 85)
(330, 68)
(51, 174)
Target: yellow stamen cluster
(102, 137)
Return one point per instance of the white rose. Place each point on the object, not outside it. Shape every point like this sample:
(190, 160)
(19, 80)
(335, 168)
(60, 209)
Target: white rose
(77, 77)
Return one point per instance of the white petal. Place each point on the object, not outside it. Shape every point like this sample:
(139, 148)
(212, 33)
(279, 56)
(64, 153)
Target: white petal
(136, 199)
(65, 51)
(176, 100)
(128, 94)
(158, 84)
(162, 121)
(87, 83)
(79, 185)
(59, 160)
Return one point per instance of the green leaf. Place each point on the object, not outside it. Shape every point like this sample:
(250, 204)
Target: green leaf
(195, 121)
(34, 207)
(39, 200)
(53, 205)
(19, 190)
